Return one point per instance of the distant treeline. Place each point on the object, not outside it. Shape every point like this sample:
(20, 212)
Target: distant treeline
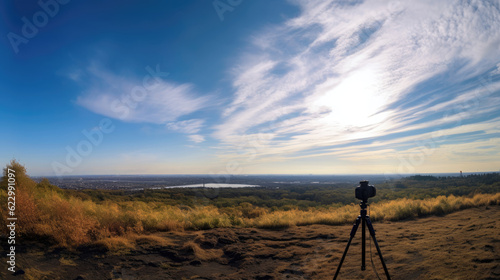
(303, 196)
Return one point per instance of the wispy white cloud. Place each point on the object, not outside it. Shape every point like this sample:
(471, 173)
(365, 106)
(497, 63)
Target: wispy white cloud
(196, 138)
(497, 71)
(158, 101)
(190, 127)
(187, 126)
(342, 73)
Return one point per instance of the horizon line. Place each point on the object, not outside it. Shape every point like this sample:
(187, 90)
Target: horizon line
(273, 174)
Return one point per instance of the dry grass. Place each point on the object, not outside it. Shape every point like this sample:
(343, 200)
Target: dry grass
(205, 218)
(153, 240)
(64, 220)
(68, 262)
(118, 245)
(389, 210)
(202, 254)
(36, 274)
(407, 208)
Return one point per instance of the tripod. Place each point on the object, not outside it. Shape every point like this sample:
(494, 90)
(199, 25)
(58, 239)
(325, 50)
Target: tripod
(365, 220)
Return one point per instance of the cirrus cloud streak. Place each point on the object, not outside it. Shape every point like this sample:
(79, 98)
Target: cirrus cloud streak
(350, 75)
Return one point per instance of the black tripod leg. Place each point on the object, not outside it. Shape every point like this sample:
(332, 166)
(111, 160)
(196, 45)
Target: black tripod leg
(353, 232)
(372, 233)
(363, 242)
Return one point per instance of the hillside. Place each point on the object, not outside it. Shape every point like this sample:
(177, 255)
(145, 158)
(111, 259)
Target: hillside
(460, 245)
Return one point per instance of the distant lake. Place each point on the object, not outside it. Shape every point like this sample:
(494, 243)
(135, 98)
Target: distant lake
(210, 185)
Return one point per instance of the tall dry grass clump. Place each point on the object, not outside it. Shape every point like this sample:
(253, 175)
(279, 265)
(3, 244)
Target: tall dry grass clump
(65, 220)
(206, 217)
(24, 189)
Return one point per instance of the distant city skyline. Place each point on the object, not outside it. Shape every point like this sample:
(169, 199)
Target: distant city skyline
(250, 87)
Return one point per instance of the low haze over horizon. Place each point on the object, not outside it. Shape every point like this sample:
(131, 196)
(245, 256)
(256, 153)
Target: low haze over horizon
(250, 87)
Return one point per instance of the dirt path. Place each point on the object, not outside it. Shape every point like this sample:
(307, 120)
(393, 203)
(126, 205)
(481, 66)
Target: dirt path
(461, 245)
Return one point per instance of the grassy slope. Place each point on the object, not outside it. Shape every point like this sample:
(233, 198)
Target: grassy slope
(460, 245)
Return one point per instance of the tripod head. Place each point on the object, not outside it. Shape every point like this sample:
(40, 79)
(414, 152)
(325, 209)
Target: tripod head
(363, 204)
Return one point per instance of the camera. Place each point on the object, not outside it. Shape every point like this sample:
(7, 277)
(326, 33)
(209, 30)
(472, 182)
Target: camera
(365, 191)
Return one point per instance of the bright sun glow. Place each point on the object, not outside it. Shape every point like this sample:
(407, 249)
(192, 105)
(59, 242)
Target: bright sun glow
(355, 102)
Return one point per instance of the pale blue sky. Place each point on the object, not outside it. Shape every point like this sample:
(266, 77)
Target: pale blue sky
(242, 87)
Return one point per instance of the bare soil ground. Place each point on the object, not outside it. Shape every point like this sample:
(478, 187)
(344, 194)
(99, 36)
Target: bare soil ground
(461, 245)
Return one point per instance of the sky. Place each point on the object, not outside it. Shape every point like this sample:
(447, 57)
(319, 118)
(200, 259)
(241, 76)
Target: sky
(250, 87)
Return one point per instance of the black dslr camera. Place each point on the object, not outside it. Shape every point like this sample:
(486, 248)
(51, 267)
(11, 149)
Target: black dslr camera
(365, 191)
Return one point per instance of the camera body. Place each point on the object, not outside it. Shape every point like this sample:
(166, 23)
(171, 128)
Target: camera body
(365, 191)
